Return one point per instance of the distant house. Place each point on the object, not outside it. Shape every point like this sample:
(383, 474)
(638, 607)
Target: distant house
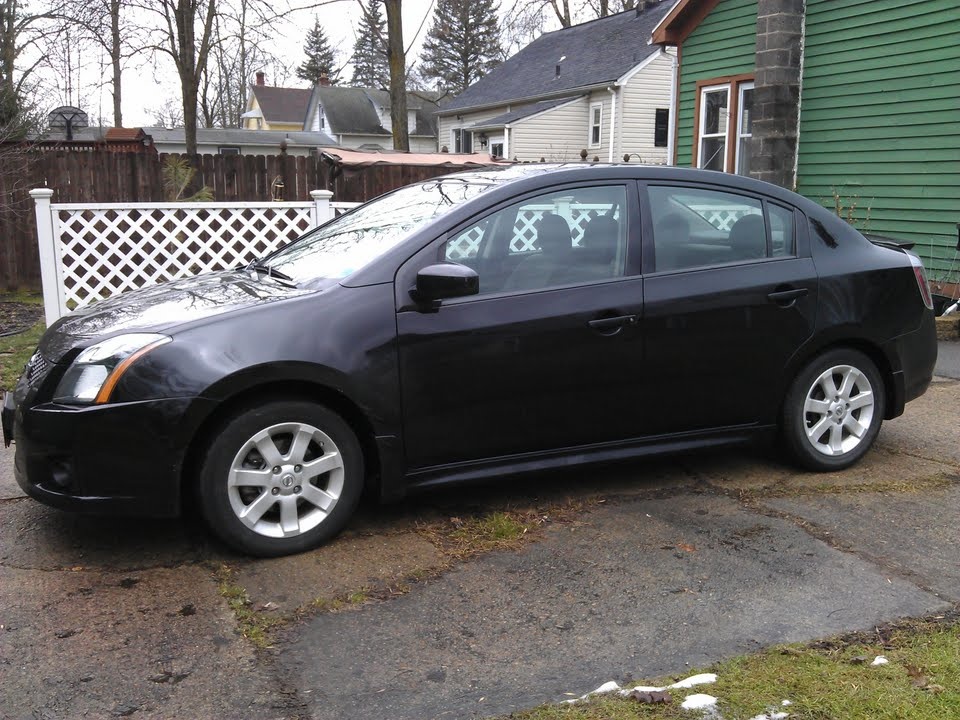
(359, 118)
(853, 103)
(600, 87)
(275, 108)
(233, 141)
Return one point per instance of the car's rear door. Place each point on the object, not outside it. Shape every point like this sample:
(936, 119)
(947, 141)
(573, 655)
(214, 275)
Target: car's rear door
(731, 296)
(546, 356)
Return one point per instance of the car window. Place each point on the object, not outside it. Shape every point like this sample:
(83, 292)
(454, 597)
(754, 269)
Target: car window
(559, 238)
(694, 227)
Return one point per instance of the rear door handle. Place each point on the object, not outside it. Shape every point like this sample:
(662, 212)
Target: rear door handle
(612, 325)
(786, 298)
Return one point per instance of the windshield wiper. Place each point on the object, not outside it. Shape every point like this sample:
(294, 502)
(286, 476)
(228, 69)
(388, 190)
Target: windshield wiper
(272, 272)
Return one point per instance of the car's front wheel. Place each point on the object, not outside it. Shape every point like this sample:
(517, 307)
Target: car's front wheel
(281, 478)
(833, 410)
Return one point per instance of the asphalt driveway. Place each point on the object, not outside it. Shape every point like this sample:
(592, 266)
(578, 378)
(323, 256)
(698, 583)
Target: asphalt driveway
(632, 572)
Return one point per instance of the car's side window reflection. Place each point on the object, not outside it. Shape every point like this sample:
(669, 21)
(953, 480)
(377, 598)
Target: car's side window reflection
(560, 238)
(694, 227)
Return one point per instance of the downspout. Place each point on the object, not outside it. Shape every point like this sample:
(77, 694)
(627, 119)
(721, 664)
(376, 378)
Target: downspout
(613, 119)
(671, 121)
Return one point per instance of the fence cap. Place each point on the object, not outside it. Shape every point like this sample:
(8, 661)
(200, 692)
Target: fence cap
(321, 194)
(41, 193)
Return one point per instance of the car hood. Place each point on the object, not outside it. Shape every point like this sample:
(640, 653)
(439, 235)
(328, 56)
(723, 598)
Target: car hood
(163, 307)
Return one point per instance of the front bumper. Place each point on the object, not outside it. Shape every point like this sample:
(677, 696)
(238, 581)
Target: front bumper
(108, 459)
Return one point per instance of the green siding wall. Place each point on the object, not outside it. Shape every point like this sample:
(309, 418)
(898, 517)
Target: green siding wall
(724, 43)
(880, 117)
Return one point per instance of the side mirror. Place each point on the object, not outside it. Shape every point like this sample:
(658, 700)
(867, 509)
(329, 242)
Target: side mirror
(445, 280)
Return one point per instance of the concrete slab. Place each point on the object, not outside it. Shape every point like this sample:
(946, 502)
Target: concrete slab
(948, 359)
(913, 535)
(8, 485)
(642, 588)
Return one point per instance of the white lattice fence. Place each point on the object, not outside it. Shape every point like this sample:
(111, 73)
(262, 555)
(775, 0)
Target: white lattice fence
(723, 217)
(525, 231)
(88, 252)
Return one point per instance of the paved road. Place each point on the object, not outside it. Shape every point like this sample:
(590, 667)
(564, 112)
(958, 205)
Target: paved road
(684, 562)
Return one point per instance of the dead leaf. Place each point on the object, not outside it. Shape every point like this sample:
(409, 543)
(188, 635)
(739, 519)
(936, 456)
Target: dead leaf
(686, 547)
(268, 606)
(859, 660)
(655, 697)
(935, 689)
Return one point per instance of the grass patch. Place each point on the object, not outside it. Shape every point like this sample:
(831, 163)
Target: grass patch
(15, 350)
(30, 297)
(829, 680)
(934, 482)
(460, 538)
(254, 625)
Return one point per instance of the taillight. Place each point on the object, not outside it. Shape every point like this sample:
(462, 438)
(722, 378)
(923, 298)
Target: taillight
(921, 280)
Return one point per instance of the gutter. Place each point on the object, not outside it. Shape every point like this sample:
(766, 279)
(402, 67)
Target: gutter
(613, 120)
(531, 98)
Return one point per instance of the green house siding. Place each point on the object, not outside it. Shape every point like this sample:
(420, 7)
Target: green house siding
(880, 117)
(723, 44)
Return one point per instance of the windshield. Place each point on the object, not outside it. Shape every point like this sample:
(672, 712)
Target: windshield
(350, 242)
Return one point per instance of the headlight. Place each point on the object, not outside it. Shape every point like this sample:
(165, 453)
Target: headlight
(95, 371)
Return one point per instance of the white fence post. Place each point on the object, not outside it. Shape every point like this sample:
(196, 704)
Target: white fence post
(53, 305)
(321, 207)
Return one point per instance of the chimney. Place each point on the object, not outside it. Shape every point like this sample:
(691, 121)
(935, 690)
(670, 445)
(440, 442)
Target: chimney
(261, 78)
(324, 80)
(646, 5)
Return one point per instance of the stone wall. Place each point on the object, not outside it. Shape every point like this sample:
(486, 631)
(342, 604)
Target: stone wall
(776, 96)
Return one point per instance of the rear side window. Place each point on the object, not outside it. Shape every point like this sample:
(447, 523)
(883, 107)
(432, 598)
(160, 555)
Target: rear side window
(694, 227)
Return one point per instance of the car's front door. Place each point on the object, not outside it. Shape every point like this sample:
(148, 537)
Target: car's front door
(546, 356)
(731, 298)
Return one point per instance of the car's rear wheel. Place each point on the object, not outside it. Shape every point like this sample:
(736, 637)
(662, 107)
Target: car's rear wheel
(833, 410)
(281, 478)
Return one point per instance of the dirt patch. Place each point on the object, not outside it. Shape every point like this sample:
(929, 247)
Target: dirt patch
(15, 317)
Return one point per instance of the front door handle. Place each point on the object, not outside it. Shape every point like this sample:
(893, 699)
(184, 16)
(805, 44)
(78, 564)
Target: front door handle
(786, 298)
(612, 325)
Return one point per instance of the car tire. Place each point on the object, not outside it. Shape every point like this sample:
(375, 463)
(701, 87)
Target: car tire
(833, 410)
(281, 478)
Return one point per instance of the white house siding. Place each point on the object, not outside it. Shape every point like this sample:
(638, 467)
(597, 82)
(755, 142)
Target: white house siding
(448, 123)
(639, 99)
(556, 135)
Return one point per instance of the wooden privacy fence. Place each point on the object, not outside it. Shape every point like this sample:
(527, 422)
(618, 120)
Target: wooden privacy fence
(95, 177)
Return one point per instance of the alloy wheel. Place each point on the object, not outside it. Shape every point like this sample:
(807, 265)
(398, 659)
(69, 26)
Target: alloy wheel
(838, 411)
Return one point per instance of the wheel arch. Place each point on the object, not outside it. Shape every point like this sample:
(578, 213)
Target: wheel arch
(871, 349)
(270, 390)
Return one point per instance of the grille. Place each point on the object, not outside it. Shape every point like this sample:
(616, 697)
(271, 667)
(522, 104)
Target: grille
(37, 367)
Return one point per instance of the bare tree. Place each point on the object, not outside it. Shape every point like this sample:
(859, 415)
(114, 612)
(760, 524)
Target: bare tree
(168, 114)
(106, 24)
(398, 76)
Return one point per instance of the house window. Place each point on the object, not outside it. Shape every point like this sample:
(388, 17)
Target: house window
(596, 123)
(228, 149)
(721, 144)
(462, 141)
(744, 128)
(661, 127)
(496, 150)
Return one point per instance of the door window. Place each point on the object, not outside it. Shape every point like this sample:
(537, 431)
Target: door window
(560, 238)
(693, 227)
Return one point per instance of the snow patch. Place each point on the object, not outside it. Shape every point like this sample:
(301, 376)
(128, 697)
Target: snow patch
(771, 716)
(786, 703)
(607, 687)
(879, 660)
(698, 701)
(702, 679)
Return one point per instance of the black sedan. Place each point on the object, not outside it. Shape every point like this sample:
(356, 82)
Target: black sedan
(474, 325)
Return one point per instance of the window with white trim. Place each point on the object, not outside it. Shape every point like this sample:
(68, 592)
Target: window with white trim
(744, 128)
(596, 124)
(723, 142)
(714, 113)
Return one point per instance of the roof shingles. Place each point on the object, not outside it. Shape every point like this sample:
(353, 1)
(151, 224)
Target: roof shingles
(589, 54)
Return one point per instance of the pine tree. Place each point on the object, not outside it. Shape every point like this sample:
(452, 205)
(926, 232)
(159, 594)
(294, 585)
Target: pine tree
(463, 43)
(321, 58)
(371, 67)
